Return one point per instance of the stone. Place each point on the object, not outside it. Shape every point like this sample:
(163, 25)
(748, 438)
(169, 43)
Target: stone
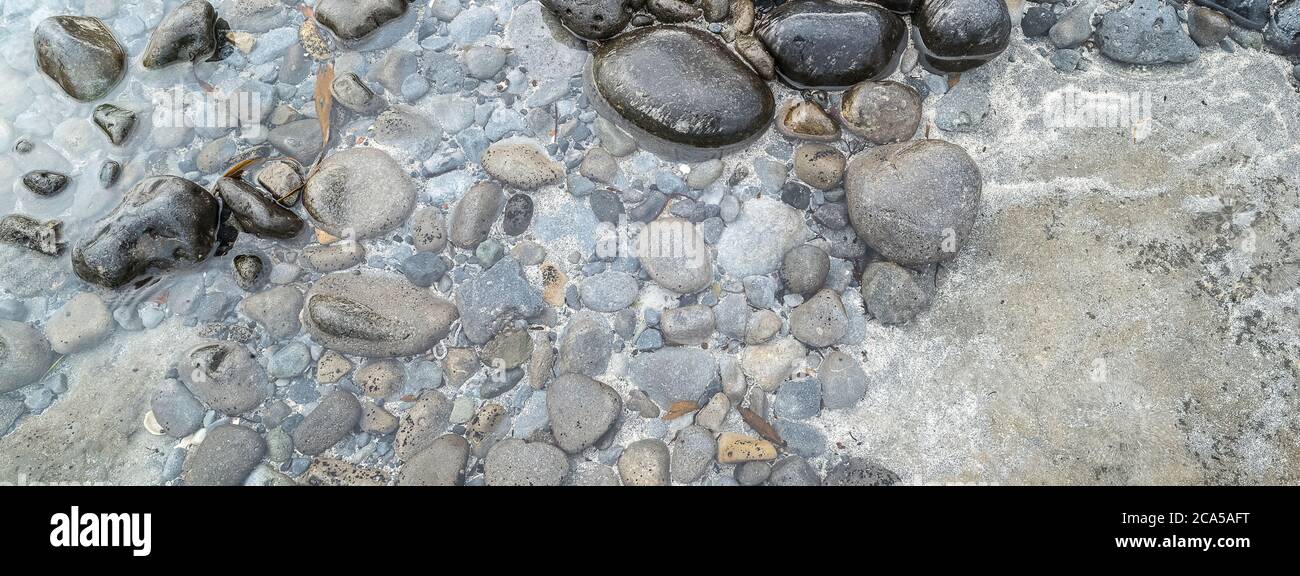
(482, 62)
(1145, 32)
(673, 252)
(1074, 26)
(332, 367)
(581, 411)
(757, 241)
(793, 471)
(521, 163)
(800, 437)
(326, 258)
(496, 297)
(355, 19)
(806, 120)
(26, 355)
(599, 165)
(225, 458)
(858, 471)
(586, 345)
(768, 365)
(673, 374)
(474, 214)
(645, 463)
(593, 19)
(798, 400)
(753, 473)
(914, 202)
(958, 35)
(422, 424)
(109, 172)
(514, 462)
(300, 139)
(731, 315)
(45, 183)
(80, 324)
(821, 320)
(517, 215)
(380, 378)
(429, 230)
(114, 121)
(736, 448)
(442, 463)
(249, 271)
(1207, 27)
(1038, 20)
(330, 421)
(359, 193)
(687, 325)
(894, 294)
(704, 174)
(679, 91)
(613, 139)
(223, 375)
(376, 420)
(819, 165)
(80, 54)
(185, 34)
(752, 50)
(881, 112)
(177, 412)
(375, 314)
(692, 452)
(829, 44)
(804, 269)
(352, 93)
(337, 472)
(713, 414)
(592, 474)
(256, 213)
(1283, 32)
(843, 381)
(609, 291)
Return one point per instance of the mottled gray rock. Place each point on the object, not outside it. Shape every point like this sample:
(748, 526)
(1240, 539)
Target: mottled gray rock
(224, 375)
(225, 458)
(843, 381)
(426, 420)
(586, 345)
(359, 193)
(185, 34)
(1074, 26)
(276, 310)
(860, 472)
(894, 294)
(24, 355)
(333, 418)
(375, 314)
(798, 400)
(495, 298)
(804, 269)
(674, 254)
(687, 325)
(731, 315)
(581, 410)
(474, 214)
(429, 230)
(1146, 32)
(821, 320)
(442, 463)
(80, 324)
(356, 19)
(177, 412)
(673, 374)
(644, 463)
(793, 471)
(609, 291)
(692, 452)
(593, 19)
(513, 462)
(326, 258)
(521, 163)
(80, 54)
(753, 473)
(963, 108)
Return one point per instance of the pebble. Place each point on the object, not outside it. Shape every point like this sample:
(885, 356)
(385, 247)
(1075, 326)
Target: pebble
(114, 121)
(495, 298)
(1074, 26)
(1206, 26)
(769, 364)
(223, 375)
(687, 325)
(514, 462)
(226, 457)
(375, 314)
(80, 54)
(609, 291)
(289, 361)
(858, 471)
(359, 193)
(753, 473)
(1038, 20)
(177, 412)
(442, 463)
(673, 374)
(422, 424)
(581, 410)
(731, 315)
(843, 381)
(376, 420)
(804, 269)
(429, 230)
(714, 413)
(736, 448)
(806, 120)
(675, 256)
(793, 470)
(820, 321)
(828, 44)
(692, 452)
(474, 214)
(819, 165)
(380, 378)
(80, 324)
(184, 35)
(645, 462)
(586, 345)
(798, 400)
(894, 294)
(517, 215)
(521, 163)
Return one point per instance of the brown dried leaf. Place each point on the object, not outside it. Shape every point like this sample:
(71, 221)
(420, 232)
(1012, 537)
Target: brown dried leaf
(953, 79)
(324, 100)
(325, 237)
(238, 168)
(760, 425)
(679, 409)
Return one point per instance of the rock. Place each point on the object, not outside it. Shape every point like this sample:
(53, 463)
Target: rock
(752, 50)
(599, 165)
(843, 381)
(474, 214)
(673, 374)
(914, 202)
(793, 471)
(80, 54)
(819, 165)
(704, 174)
(82, 323)
(109, 172)
(798, 400)
(332, 367)
(804, 269)
(521, 163)
(713, 414)
(881, 112)
(581, 410)
(359, 193)
(513, 462)
(26, 355)
(1074, 26)
(429, 230)
(249, 269)
(300, 139)
(375, 314)
(115, 122)
(257, 214)
(333, 418)
(860, 472)
(441, 464)
(893, 294)
(736, 448)
(742, 15)
(45, 183)
(680, 91)
(186, 34)
(1283, 32)
(805, 119)
(674, 254)
(832, 44)
(380, 378)
(801, 438)
(495, 298)
(753, 473)
(333, 257)
(163, 222)
(768, 365)
(517, 215)
(731, 315)
(820, 321)
(1146, 32)
(482, 62)
(352, 93)
(756, 242)
(1249, 14)
(1038, 20)
(958, 35)
(592, 19)
(609, 291)
(644, 463)
(1207, 27)
(337, 472)
(223, 375)
(613, 139)
(276, 310)
(687, 325)
(692, 452)
(964, 107)
(421, 426)
(225, 458)
(356, 19)
(177, 412)
(586, 345)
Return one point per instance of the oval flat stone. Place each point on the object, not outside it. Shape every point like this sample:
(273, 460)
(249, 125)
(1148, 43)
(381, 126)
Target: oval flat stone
(356, 19)
(375, 314)
(680, 91)
(361, 190)
(80, 54)
(833, 44)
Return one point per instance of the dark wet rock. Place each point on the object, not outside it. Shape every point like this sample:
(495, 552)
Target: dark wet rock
(833, 43)
(675, 87)
(806, 120)
(914, 202)
(1252, 14)
(581, 410)
(1038, 20)
(23, 146)
(45, 183)
(333, 418)
(224, 375)
(80, 54)
(752, 50)
(900, 6)
(474, 214)
(257, 214)
(606, 206)
(593, 19)
(163, 222)
(442, 463)
(184, 35)
(375, 314)
(1146, 32)
(1283, 32)
(248, 270)
(957, 35)
(1207, 27)
(31, 233)
(518, 214)
(116, 122)
(860, 472)
(359, 193)
(25, 355)
(881, 112)
(495, 298)
(894, 294)
(109, 172)
(796, 195)
(355, 19)
(226, 457)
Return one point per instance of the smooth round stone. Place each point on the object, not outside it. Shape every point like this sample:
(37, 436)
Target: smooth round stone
(914, 202)
(26, 355)
(692, 452)
(114, 121)
(1207, 27)
(687, 325)
(80, 54)
(609, 291)
(843, 381)
(81, 324)
(441, 464)
(356, 19)
(894, 294)
(521, 163)
(957, 35)
(177, 412)
(831, 43)
(804, 269)
(592, 19)
(184, 35)
(679, 91)
(332, 419)
(819, 165)
(225, 458)
(804, 119)
(581, 410)
(513, 462)
(224, 375)
(162, 222)
(820, 321)
(644, 463)
(359, 193)
(474, 214)
(375, 314)
(881, 112)
(675, 255)
(517, 215)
